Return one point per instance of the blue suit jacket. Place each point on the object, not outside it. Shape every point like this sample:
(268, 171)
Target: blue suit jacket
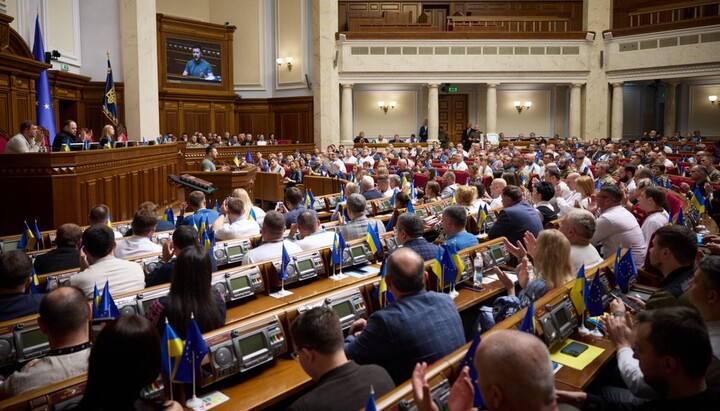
(421, 327)
(513, 221)
(192, 219)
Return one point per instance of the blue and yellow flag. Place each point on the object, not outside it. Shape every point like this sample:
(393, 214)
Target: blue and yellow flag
(528, 323)
(391, 222)
(437, 265)
(169, 215)
(410, 207)
(65, 147)
(337, 248)
(236, 160)
(95, 302)
(43, 100)
(625, 270)
(109, 106)
(385, 297)
(109, 221)
(27, 239)
(469, 361)
(106, 307)
(205, 240)
(482, 215)
(680, 220)
(251, 215)
(457, 261)
(593, 296)
(698, 201)
(216, 206)
(193, 353)
(373, 240)
(202, 228)
(34, 282)
(577, 294)
(171, 347)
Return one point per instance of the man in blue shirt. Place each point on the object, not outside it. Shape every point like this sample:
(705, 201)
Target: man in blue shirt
(198, 67)
(454, 219)
(196, 201)
(293, 206)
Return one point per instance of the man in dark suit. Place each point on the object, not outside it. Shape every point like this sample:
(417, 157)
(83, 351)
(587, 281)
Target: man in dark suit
(516, 217)
(67, 253)
(66, 136)
(467, 136)
(420, 326)
(410, 228)
(423, 133)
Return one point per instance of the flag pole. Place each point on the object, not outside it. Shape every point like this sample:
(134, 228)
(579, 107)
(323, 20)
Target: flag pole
(169, 365)
(193, 402)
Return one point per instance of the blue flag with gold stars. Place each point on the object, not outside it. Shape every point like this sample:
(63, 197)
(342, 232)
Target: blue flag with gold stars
(593, 296)
(625, 270)
(193, 353)
(528, 323)
(43, 102)
(109, 106)
(469, 360)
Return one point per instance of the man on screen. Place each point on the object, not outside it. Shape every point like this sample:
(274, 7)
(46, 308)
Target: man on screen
(198, 67)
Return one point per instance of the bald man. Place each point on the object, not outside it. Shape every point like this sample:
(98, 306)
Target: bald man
(514, 373)
(496, 188)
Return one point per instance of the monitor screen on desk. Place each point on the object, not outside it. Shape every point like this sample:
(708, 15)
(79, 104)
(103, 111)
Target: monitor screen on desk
(252, 344)
(32, 339)
(76, 146)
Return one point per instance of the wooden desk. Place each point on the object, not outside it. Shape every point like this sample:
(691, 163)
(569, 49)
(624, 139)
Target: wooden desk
(580, 379)
(321, 186)
(59, 188)
(469, 298)
(268, 187)
(321, 286)
(258, 305)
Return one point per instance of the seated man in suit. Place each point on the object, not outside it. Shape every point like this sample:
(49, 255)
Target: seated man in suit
(454, 220)
(419, 326)
(409, 229)
(15, 271)
(64, 319)
(66, 136)
(196, 201)
(516, 217)
(340, 384)
(67, 253)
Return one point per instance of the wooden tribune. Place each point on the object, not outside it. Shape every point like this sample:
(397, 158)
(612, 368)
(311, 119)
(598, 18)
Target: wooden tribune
(59, 188)
(224, 182)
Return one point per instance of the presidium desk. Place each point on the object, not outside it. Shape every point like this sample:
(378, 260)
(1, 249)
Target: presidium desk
(58, 188)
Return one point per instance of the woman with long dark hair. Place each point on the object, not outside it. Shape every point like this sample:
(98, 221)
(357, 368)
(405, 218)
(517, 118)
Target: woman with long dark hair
(124, 359)
(190, 293)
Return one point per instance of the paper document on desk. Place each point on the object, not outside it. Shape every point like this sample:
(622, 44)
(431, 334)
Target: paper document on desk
(579, 362)
(487, 279)
(212, 399)
(362, 272)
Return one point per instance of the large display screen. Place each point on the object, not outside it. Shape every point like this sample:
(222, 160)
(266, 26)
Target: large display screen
(193, 61)
(252, 344)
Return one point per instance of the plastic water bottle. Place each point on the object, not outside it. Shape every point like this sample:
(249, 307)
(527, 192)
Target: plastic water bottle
(478, 264)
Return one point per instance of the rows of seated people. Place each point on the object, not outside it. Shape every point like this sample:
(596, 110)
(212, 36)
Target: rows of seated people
(593, 213)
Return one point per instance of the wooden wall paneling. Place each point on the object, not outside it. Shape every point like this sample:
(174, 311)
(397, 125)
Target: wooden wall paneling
(92, 97)
(196, 121)
(134, 187)
(112, 200)
(124, 198)
(6, 117)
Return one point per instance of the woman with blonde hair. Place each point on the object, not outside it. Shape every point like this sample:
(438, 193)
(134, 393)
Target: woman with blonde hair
(465, 195)
(107, 136)
(586, 188)
(552, 268)
(248, 205)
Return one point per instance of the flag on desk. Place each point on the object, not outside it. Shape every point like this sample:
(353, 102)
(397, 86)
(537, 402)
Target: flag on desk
(284, 263)
(447, 265)
(169, 215)
(385, 297)
(392, 198)
(337, 248)
(482, 215)
(65, 147)
(625, 270)
(248, 157)
(193, 353)
(86, 144)
(43, 101)
(391, 221)
(34, 283)
(413, 193)
(105, 308)
(372, 239)
(252, 216)
(593, 296)
(216, 206)
(206, 243)
(38, 238)
(171, 348)
(469, 361)
(236, 160)
(410, 208)
(697, 200)
(680, 220)
(109, 105)
(202, 227)
(577, 293)
(528, 323)
(27, 239)
(370, 405)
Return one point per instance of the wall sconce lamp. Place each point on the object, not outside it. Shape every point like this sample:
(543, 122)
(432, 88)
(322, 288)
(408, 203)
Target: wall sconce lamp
(713, 99)
(287, 60)
(520, 107)
(385, 108)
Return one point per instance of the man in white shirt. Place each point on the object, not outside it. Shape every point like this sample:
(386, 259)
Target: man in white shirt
(232, 223)
(458, 163)
(338, 162)
(276, 168)
(123, 276)
(616, 226)
(579, 226)
(24, 141)
(311, 235)
(652, 200)
(272, 240)
(143, 227)
(552, 175)
(561, 204)
(349, 157)
(366, 157)
(496, 189)
(100, 214)
(383, 185)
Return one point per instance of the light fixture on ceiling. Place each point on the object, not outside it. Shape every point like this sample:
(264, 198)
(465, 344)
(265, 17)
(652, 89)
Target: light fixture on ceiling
(286, 60)
(520, 107)
(385, 107)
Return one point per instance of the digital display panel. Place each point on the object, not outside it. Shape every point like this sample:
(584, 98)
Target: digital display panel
(146, 304)
(438, 209)
(343, 309)
(420, 213)
(32, 339)
(252, 344)
(561, 317)
(235, 250)
(357, 252)
(239, 283)
(305, 265)
(497, 253)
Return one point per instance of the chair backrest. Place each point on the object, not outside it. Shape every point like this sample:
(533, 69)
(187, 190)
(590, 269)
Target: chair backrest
(462, 177)
(420, 180)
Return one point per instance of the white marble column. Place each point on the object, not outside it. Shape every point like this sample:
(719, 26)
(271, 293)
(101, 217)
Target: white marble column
(670, 108)
(616, 112)
(326, 98)
(433, 115)
(491, 108)
(346, 117)
(138, 46)
(575, 110)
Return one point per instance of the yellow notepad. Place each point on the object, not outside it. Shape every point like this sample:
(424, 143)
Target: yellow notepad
(579, 362)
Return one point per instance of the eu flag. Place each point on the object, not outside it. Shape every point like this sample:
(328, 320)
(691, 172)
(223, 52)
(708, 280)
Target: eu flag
(106, 307)
(370, 404)
(109, 105)
(284, 263)
(193, 353)
(528, 323)
(469, 361)
(593, 296)
(410, 208)
(248, 157)
(43, 101)
(625, 271)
